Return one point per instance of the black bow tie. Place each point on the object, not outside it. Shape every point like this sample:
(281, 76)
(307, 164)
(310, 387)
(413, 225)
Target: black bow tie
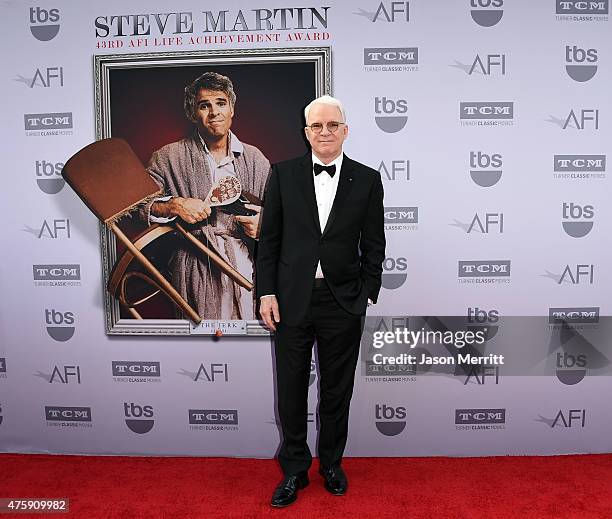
(331, 169)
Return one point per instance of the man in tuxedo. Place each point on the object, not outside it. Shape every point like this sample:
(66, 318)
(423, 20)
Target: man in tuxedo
(319, 264)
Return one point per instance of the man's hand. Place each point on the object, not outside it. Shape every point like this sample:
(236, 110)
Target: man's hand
(268, 309)
(250, 224)
(191, 210)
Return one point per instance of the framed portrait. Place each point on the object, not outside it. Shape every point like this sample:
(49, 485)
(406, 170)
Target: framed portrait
(141, 98)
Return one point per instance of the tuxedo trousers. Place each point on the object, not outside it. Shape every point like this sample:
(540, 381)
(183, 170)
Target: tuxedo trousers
(337, 334)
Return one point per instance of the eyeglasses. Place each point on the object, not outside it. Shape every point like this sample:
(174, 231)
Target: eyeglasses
(332, 127)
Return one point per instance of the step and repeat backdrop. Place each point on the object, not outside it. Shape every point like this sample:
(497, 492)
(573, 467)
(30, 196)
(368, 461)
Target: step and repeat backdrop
(490, 124)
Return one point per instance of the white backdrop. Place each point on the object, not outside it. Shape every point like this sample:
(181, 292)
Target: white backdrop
(489, 122)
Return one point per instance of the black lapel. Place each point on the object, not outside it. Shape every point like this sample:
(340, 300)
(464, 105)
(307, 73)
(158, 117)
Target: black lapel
(344, 185)
(304, 174)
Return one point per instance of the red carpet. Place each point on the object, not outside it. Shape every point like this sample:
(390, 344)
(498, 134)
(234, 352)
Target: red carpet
(557, 487)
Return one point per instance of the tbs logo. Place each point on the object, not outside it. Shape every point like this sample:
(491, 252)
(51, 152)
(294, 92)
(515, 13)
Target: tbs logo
(570, 369)
(394, 273)
(43, 23)
(49, 176)
(483, 320)
(59, 324)
(485, 169)
(577, 220)
(390, 421)
(487, 13)
(580, 64)
(393, 119)
(139, 419)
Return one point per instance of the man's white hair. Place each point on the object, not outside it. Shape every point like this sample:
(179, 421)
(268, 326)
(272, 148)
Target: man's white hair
(325, 100)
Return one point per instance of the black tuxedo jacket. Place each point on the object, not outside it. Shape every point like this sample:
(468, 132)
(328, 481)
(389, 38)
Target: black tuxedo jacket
(351, 248)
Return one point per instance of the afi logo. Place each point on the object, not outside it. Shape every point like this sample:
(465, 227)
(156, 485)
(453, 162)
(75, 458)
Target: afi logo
(395, 170)
(580, 120)
(66, 374)
(582, 273)
(572, 418)
(215, 372)
(45, 78)
(55, 228)
(388, 12)
(488, 65)
(480, 374)
(43, 23)
(485, 224)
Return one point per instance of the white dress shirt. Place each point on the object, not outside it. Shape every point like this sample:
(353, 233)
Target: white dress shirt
(325, 192)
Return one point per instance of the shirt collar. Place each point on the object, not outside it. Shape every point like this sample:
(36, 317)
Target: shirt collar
(337, 161)
(236, 146)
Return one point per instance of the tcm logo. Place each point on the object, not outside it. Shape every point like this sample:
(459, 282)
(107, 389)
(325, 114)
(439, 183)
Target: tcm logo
(2, 367)
(480, 416)
(394, 273)
(487, 13)
(48, 121)
(43, 23)
(67, 414)
(214, 372)
(390, 421)
(387, 12)
(578, 274)
(49, 176)
(1, 415)
(59, 324)
(391, 56)
(486, 111)
(481, 374)
(139, 419)
(577, 219)
(392, 121)
(54, 229)
(487, 223)
(136, 369)
(401, 215)
(569, 418)
(395, 170)
(580, 64)
(68, 272)
(574, 315)
(581, 7)
(570, 369)
(580, 163)
(484, 269)
(213, 417)
(45, 78)
(65, 374)
(485, 169)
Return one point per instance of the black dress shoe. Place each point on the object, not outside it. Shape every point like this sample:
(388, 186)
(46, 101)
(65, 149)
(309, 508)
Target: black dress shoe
(335, 480)
(286, 492)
